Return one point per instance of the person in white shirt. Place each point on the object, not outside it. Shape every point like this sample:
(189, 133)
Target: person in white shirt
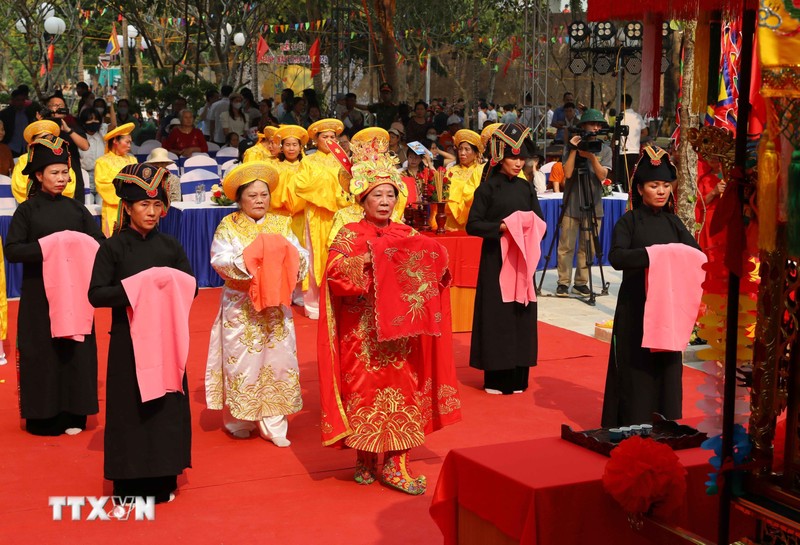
(491, 113)
(482, 115)
(204, 114)
(287, 96)
(214, 114)
(534, 175)
(95, 131)
(631, 143)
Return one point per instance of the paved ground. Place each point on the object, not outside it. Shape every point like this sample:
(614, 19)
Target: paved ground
(573, 313)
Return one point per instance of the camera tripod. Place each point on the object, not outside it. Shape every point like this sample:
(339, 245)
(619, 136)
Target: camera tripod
(587, 234)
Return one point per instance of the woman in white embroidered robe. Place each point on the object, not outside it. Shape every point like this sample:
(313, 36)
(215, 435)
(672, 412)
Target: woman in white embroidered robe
(252, 372)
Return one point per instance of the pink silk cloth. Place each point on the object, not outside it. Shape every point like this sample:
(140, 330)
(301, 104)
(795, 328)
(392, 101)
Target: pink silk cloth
(674, 288)
(68, 258)
(520, 248)
(160, 298)
(273, 262)
(410, 274)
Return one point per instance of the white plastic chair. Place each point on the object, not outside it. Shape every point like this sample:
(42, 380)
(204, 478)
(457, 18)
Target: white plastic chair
(227, 166)
(201, 162)
(7, 201)
(149, 145)
(226, 154)
(213, 148)
(190, 181)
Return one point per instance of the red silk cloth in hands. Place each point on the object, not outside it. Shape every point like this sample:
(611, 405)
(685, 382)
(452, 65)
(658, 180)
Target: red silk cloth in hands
(409, 274)
(273, 263)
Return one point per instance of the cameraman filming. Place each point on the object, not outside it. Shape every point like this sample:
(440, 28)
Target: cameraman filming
(55, 110)
(583, 151)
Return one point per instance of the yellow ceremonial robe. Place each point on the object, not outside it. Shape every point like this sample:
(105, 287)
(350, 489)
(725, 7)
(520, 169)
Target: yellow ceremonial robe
(3, 298)
(284, 200)
(318, 183)
(19, 181)
(463, 183)
(105, 170)
(258, 153)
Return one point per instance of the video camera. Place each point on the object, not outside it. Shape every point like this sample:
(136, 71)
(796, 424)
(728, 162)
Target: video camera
(47, 113)
(592, 146)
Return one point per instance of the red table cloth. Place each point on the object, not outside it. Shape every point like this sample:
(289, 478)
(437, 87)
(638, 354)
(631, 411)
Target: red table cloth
(464, 256)
(549, 491)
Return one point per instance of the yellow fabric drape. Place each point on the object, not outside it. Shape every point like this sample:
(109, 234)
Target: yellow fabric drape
(258, 153)
(318, 183)
(105, 170)
(463, 183)
(3, 297)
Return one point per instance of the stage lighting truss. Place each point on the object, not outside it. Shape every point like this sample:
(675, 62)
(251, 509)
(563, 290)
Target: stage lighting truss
(603, 64)
(634, 31)
(578, 65)
(633, 64)
(578, 31)
(604, 31)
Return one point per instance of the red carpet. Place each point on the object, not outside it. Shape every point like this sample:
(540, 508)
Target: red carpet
(248, 491)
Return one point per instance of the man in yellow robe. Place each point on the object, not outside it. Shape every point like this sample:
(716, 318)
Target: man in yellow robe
(265, 149)
(318, 183)
(106, 169)
(463, 178)
(19, 181)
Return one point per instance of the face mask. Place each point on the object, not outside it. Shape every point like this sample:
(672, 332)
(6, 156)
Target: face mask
(123, 110)
(100, 110)
(237, 105)
(92, 127)
(432, 137)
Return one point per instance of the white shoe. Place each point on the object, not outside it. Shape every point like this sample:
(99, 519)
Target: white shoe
(493, 391)
(72, 431)
(171, 497)
(518, 391)
(3, 360)
(314, 315)
(280, 442)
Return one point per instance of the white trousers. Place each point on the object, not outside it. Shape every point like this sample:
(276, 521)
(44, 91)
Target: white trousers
(276, 426)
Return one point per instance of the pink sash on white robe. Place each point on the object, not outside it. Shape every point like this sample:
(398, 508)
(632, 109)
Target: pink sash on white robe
(68, 258)
(161, 298)
(674, 289)
(521, 248)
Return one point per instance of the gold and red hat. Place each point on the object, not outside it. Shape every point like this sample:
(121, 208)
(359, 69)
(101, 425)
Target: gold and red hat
(292, 131)
(143, 181)
(325, 125)
(370, 173)
(43, 126)
(252, 171)
(470, 137)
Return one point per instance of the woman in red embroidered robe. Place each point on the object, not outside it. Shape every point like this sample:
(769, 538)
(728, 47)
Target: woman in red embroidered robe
(378, 396)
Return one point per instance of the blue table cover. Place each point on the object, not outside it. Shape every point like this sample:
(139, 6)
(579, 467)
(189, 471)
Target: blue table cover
(194, 228)
(613, 209)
